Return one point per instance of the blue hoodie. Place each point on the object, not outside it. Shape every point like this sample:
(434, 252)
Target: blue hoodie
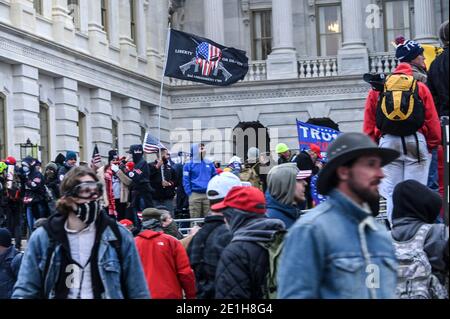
(288, 214)
(197, 173)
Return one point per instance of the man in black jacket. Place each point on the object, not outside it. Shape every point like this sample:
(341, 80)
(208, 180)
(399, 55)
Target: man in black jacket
(438, 75)
(244, 263)
(163, 188)
(307, 160)
(207, 245)
(141, 190)
(34, 192)
(70, 161)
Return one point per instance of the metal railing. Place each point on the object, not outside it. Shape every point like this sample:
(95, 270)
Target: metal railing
(381, 218)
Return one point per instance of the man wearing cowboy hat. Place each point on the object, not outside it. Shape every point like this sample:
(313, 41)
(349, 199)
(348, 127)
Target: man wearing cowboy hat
(337, 250)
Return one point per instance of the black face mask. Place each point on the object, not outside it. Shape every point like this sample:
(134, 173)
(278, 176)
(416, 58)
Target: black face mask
(88, 212)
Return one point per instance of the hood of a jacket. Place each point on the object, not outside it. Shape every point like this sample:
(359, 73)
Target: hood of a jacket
(30, 163)
(403, 68)
(404, 228)
(281, 182)
(60, 159)
(195, 152)
(412, 199)
(251, 227)
(152, 224)
(259, 230)
(149, 234)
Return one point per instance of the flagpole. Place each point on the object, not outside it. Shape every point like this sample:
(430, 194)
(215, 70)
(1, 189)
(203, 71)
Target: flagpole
(166, 52)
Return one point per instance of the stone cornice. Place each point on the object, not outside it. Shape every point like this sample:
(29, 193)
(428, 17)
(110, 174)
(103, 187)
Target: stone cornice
(275, 93)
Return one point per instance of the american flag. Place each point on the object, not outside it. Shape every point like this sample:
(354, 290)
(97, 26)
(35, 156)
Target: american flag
(304, 174)
(151, 144)
(208, 57)
(96, 158)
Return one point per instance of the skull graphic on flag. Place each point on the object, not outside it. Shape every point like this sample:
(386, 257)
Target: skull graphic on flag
(207, 57)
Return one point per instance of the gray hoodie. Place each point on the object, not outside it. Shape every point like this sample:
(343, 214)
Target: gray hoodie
(281, 182)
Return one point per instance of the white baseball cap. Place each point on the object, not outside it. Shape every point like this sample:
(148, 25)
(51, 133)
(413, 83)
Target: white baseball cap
(220, 185)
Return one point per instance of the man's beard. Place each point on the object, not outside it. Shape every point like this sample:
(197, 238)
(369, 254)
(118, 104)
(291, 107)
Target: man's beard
(364, 193)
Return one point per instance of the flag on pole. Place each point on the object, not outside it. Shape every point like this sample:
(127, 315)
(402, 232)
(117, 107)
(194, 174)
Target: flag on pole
(198, 59)
(96, 158)
(151, 144)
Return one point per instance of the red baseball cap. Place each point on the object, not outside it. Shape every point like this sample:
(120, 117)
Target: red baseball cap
(11, 160)
(315, 149)
(126, 222)
(246, 198)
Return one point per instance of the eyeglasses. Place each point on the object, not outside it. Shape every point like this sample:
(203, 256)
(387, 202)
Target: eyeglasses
(87, 190)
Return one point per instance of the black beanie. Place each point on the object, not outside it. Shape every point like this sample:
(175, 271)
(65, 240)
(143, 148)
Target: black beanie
(5, 237)
(111, 155)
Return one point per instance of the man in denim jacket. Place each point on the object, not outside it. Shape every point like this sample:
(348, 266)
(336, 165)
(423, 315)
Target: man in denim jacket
(337, 250)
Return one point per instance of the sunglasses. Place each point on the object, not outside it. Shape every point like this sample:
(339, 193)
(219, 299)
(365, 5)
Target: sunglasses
(87, 190)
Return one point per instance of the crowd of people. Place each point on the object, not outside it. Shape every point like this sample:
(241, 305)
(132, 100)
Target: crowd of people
(109, 232)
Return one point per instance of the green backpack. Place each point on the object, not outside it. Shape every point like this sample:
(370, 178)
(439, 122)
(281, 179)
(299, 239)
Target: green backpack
(274, 248)
(249, 174)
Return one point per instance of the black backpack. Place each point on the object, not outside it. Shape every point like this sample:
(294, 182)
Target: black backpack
(400, 111)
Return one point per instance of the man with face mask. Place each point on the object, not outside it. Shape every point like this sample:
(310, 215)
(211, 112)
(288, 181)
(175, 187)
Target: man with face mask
(163, 188)
(51, 182)
(80, 252)
(141, 190)
(69, 163)
(337, 250)
(34, 192)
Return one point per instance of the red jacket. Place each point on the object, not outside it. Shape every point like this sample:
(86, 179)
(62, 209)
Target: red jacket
(431, 128)
(166, 266)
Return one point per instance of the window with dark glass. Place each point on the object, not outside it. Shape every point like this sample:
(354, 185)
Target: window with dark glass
(133, 20)
(397, 21)
(74, 12)
(44, 143)
(82, 135)
(104, 15)
(329, 29)
(37, 4)
(261, 34)
(115, 135)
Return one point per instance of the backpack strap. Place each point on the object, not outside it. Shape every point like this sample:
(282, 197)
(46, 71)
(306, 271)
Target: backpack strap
(422, 233)
(417, 147)
(405, 151)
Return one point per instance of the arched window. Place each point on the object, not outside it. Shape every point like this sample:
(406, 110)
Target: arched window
(250, 134)
(3, 144)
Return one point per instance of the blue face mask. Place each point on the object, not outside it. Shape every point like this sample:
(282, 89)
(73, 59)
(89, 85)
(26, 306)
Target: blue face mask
(26, 169)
